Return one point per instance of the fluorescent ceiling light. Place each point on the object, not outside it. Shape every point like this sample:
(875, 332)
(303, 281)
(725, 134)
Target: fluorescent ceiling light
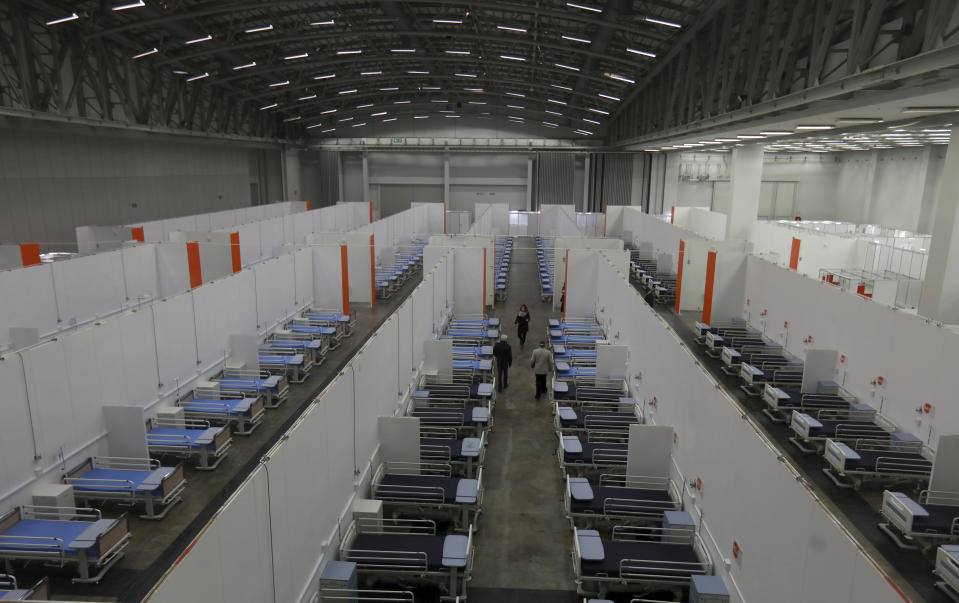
(554, 112)
(401, 102)
(591, 9)
(352, 91)
(258, 29)
(389, 119)
(465, 74)
(662, 22)
(197, 77)
(451, 116)
(429, 87)
(327, 130)
(179, 72)
(708, 142)
(643, 53)
(364, 106)
(651, 150)
(310, 97)
(609, 97)
(510, 57)
(932, 131)
(313, 126)
(583, 132)
(318, 23)
(359, 125)
(371, 73)
(556, 102)
(278, 84)
(247, 66)
(776, 133)
(342, 119)
(516, 94)
(293, 57)
(205, 38)
(550, 124)
(727, 140)
(473, 89)
(600, 111)
(403, 50)
(270, 106)
(145, 54)
(508, 28)
(750, 136)
(620, 78)
(414, 72)
(591, 121)
(289, 119)
(943, 109)
(477, 102)
(324, 77)
(859, 120)
(814, 127)
(457, 52)
(561, 87)
(575, 39)
(439, 100)
(139, 4)
(378, 113)
(72, 17)
(514, 118)
(340, 52)
(563, 66)
(515, 106)
(389, 89)
(449, 21)
(328, 111)
(421, 117)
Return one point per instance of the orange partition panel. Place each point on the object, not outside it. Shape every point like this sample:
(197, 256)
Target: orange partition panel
(371, 212)
(30, 254)
(309, 206)
(605, 219)
(137, 234)
(235, 252)
(672, 215)
(345, 278)
(794, 255)
(708, 290)
(193, 262)
(679, 274)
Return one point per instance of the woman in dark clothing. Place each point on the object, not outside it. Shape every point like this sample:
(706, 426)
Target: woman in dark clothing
(522, 324)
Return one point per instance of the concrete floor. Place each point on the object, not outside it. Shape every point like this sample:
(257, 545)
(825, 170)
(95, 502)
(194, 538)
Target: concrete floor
(525, 540)
(156, 544)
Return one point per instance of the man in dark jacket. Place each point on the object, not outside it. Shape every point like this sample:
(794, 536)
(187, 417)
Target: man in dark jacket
(503, 354)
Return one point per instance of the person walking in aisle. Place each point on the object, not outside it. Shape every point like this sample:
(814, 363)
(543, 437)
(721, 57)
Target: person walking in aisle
(504, 358)
(522, 324)
(542, 363)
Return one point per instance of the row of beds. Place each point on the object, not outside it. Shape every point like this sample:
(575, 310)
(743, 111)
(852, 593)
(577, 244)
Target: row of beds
(503, 250)
(643, 270)
(546, 260)
(233, 403)
(630, 533)
(407, 261)
(858, 444)
(433, 506)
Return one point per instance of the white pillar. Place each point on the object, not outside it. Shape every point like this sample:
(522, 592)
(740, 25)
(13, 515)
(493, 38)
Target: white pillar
(671, 182)
(446, 180)
(291, 175)
(585, 183)
(745, 177)
(366, 178)
(940, 290)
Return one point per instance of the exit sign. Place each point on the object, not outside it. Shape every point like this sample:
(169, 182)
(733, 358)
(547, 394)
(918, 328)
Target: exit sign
(399, 140)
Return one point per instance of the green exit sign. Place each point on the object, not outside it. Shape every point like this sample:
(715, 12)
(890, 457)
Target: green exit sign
(399, 140)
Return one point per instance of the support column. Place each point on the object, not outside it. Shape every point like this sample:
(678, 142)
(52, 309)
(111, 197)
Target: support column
(745, 176)
(529, 183)
(291, 174)
(940, 290)
(586, 183)
(865, 212)
(638, 179)
(446, 180)
(670, 181)
(366, 178)
(339, 176)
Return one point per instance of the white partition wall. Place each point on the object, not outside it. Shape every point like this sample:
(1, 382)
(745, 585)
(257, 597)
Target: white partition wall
(562, 244)
(744, 489)
(581, 291)
(330, 275)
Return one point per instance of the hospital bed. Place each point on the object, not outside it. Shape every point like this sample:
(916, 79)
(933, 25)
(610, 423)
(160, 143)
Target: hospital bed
(473, 351)
(473, 369)
(188, 439)
(63, 536)
(472, 421)
(947, 568)
(471, 335)
(780, 403)
(293, 365)
(303, 344)
(601, 450)
(933, 520)
(575, 356)
(409, 550)
(557, 337)
(128, 481)
(252, 383)
(637, 558)
(9, 591)
(621, 498)
(473, 321)
(241, 412)
(701, 328)
(457, 390)
(715, 341)
(442, 445)
(331, 318)
(811, 429)
(899, 459)
(570, 421)
(330, 335)
(429, 490)
(365, 595)
(755, 378)
(602, 390)
(578, 374)
(757, 355)
(585, 325)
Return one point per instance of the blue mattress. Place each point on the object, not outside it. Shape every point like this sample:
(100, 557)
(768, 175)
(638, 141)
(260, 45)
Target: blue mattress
(599, 394)
(450, 416)
(579, 339)
(67, 531)
(299, 328)
(168, 436)
(227, 408)
(296, 344)
(283, 359)
(939, 521)
(135, 476)
(270, 383)
(330, 317)
(460, 350)
(576, 371)
(472, 364)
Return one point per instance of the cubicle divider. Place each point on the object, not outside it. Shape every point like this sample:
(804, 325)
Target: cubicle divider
(769, 535)
(612, 246)
(558, 221)
(469, 289)
(892, 360)
(815, 250)
(287, 518)
(359, 260)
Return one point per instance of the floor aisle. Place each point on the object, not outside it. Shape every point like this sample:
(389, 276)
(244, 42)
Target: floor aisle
(525, 540)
